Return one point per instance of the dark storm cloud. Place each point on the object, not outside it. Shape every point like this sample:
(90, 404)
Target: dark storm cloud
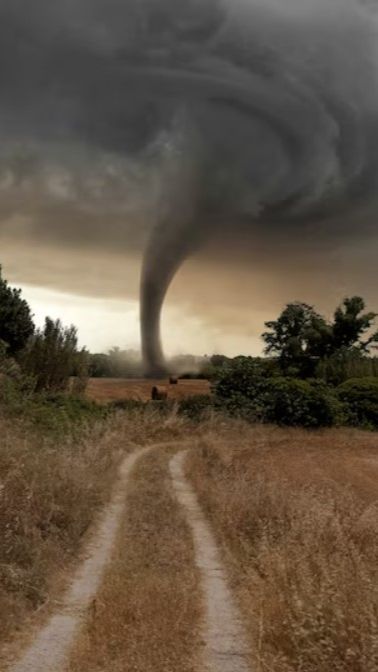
(184, 120)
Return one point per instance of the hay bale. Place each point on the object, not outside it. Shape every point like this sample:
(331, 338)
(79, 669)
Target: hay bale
(159, 393)
(173, 380)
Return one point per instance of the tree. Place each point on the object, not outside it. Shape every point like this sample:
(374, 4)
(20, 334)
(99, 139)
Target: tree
(52, 356)
(16, 322)
(300, 336)
(351, 323)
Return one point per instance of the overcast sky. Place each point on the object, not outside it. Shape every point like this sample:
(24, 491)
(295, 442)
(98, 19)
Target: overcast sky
(240, 137)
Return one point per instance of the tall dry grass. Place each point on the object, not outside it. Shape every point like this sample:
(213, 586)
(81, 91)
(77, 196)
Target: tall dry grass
(50, 492)
(297, 516)
(52, 484)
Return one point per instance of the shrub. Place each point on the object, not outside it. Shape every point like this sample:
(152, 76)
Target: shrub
(196, 407)
(53, 413)
(300, 403)
(360, 396)
(249, 388)
(242, 386)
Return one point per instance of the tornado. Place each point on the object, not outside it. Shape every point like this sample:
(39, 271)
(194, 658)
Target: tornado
(310, 143)
(165, 253)
(256, 115)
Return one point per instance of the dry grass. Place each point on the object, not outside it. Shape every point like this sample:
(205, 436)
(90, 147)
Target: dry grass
(49, 494)
(146, 615)
(297, 515)
(104, 390)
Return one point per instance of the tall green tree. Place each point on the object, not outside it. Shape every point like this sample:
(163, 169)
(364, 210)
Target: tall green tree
(299, 337)
(16, 320)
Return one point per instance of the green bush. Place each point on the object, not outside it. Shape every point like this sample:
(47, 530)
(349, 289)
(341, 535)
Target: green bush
(196, 407)
(58, 413)
(242, 387)
(250, 389)
(360, 397)
(302, 403)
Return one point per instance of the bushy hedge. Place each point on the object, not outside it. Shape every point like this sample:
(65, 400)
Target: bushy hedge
(360, 398)
(247, 389)
(301, 403)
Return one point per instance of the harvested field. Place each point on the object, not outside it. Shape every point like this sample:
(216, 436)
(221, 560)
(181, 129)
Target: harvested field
(104, 390)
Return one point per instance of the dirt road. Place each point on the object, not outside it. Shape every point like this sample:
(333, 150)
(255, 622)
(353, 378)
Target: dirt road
(155, 571)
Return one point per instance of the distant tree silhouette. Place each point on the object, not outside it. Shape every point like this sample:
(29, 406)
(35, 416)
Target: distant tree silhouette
(16, 321)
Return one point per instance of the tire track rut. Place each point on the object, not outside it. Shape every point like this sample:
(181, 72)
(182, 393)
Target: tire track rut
(223, 632)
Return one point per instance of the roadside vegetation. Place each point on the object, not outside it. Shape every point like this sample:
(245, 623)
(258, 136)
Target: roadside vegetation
(50, 491)
(296, 514)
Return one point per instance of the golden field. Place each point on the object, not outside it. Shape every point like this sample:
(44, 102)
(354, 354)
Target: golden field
(104, 390)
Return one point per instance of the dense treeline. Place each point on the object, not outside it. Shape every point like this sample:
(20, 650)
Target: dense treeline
(259, 393)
